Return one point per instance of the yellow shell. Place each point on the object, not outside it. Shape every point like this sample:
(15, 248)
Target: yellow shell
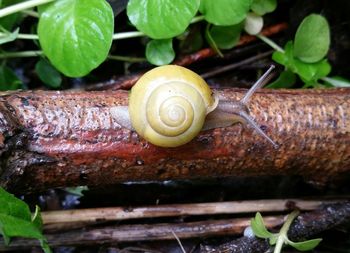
(168, 105)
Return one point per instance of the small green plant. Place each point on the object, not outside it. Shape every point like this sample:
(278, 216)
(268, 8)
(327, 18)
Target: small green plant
(279, 239)
(306, 56)
(16, 220)
(75, 36)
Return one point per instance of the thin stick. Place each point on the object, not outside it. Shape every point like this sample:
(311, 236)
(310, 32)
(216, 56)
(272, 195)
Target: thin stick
(258, 84)
(257, 128)
(146, 232)
(179, 242)
(21, 6)
(232, 207)
(235, 65)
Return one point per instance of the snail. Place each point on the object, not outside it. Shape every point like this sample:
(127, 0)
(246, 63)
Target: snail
(170, 105)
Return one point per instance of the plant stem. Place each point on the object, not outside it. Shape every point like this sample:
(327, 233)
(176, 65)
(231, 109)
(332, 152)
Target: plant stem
(21, 54)
(197, 19)
(23, 36)
(270, 42)
(22, 6)
(127, 35)
(126, 58)
(31, 13)
(27, 36)
(134, 34)
(284, 230)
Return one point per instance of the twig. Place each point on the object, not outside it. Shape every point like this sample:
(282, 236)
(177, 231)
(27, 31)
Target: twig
(304, 226)
(119, 213)
(235, 65)
(179, 242)
(147, 232)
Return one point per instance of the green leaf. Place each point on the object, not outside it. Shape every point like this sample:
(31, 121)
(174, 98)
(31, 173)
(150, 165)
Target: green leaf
(9, 22)
(76, 35)
(8, 36)
(9, 80)
(337, 81)
(253, 23)
(308, 72)
(273, 239)
(211, 41)
(306, 245)
(280, 58)
(312, 71)
(78, 190)
(16, 220)
(48, 74)
(224, 12)
(190, 41)
(162, 19)
(9, 204)
(12, 226)
(262, 7)
(286, 80)
(285, 58)
(259, 228)
(45, 246)
(160, 52)
(312, 39)
(226, 37)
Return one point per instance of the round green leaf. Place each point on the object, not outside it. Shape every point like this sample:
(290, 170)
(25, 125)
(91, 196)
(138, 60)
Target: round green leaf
(312, 39)
(9, 79)
(261, 7)
(224, 12)
(286, 80)
(160, 52)
(226, 37)
(9, 22)
(191, 42)
(162, 19)
(48, 74)
(76, 35)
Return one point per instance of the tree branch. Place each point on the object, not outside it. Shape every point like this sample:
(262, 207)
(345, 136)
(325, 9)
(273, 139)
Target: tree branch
(56, 220)
(51, 139)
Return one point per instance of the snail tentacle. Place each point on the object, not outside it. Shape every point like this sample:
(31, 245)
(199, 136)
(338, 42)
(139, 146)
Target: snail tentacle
(257, 128)
(228, 113)
(257, 85)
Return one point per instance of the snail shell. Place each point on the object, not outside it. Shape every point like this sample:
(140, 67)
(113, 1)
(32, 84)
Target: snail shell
(168, 105)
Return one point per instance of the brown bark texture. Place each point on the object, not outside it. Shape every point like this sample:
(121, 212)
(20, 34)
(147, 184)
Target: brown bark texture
(50, 139)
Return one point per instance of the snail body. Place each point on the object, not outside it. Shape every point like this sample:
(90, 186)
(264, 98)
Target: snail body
(170, 105)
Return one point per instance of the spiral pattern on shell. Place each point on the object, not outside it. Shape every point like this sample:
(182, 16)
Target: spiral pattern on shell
(168, 105)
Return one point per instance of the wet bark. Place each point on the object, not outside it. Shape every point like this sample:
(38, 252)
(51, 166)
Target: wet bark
(51, 139)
